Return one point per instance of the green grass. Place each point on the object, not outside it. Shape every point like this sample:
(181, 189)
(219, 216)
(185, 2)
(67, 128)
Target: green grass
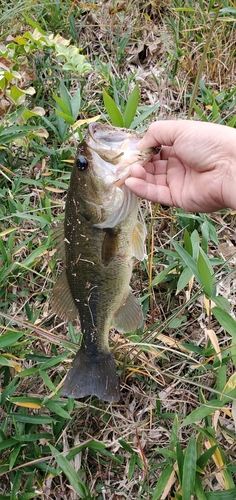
(172, 435)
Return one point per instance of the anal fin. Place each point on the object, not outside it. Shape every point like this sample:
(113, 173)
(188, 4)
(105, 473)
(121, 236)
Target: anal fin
(129, 316)
(62, 301)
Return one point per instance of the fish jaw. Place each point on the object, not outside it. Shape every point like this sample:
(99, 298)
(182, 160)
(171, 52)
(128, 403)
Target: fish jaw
(114, 150)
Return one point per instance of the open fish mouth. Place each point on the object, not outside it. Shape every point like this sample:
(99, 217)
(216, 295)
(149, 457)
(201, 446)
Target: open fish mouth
(117, 147)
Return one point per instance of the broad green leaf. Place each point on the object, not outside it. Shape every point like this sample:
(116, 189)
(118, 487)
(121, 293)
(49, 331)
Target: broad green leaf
(8, 339)
(132, 464)
(8, 443)
(200, 113)
(215, 112)
(14, 454)
(34, 24)
(189, 261)
(162, 482)
(31, 419)
(224, 318)
(76, 103)
(165, 452)
(180, 460)
(174, 434)
(26, 402)
(206, 273)
(66, 98)
(47, 380)
(184, 279)
(33, 437)
(199, 489)
(54, 361)
(189, 469)
(143, 116)
(72, 476)
(131, 107)
(126, 446)
(162, 275)
(187, 243)
(112, 110)
(222, 495)
(56, 408)
(229, 324)
(68, 118)
(203, 459)
(222, 303)
(34, 256)
(202, 412)
(195, 240)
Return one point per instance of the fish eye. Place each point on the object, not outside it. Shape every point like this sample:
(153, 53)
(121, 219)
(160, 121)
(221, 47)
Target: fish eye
(82, 162)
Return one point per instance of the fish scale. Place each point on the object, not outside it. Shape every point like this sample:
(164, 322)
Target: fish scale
(100, 237)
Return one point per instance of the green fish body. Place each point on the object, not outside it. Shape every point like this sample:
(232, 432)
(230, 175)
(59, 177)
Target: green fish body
(101, 236)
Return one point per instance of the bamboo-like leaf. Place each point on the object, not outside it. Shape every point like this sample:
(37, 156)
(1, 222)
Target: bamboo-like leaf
(112, 110)
(229, 324)
(184, 279)
(206, 273)
(56, 408)
(202, 411)
(222, 495)
(203, 459)
(189, 261)
(131, 107)
(68, 118)
(180, 461)
(8, 339)
(72, 476)
(189, 469)
(31, 419)
(162, 482)
(76, 103)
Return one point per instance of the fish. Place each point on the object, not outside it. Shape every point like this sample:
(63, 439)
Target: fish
(100, 237)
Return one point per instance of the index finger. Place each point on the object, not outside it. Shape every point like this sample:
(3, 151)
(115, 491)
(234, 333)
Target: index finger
(162, 132)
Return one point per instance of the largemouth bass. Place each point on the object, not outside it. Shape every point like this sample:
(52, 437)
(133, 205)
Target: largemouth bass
(101, 235)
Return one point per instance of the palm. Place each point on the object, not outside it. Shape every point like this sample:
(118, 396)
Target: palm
(190, 173)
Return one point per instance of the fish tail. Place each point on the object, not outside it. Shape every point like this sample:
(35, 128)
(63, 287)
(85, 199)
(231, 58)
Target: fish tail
(92, 375)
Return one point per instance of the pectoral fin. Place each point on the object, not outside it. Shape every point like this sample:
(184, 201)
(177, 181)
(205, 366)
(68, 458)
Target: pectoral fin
(129, 316)
(62, 301)
(110, 245)
(138, 241)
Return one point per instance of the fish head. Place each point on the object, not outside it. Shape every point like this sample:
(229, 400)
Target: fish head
(102, 164)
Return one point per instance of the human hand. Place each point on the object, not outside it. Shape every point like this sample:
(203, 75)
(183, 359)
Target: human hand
(195, 169)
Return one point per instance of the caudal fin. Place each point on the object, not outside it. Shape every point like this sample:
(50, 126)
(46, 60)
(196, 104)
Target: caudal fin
(92, 375)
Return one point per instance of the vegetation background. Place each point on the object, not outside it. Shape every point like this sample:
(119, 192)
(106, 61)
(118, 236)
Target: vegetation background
(172, 435)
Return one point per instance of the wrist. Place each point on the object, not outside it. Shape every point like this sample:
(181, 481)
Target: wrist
(229, 186)
(229, 168)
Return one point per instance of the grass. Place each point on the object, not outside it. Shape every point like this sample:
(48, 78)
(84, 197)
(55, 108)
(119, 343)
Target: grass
(172, 435)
